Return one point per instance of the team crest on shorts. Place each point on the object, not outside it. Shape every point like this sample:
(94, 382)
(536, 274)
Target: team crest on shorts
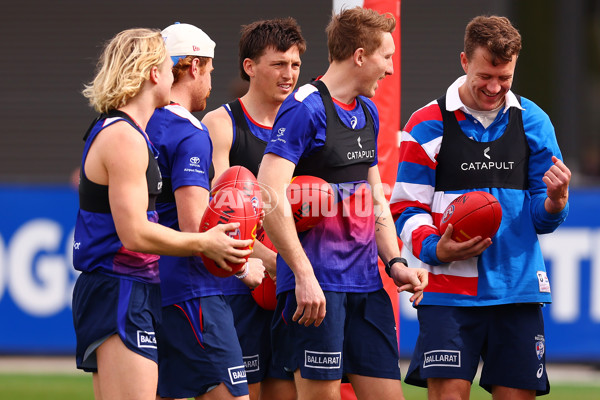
(540, 346)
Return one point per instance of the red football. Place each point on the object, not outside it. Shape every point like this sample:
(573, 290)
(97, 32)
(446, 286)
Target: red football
(262, 237)
(229, 205)
(240, 178)
(264, 294)
(311, 199)
(472, 214)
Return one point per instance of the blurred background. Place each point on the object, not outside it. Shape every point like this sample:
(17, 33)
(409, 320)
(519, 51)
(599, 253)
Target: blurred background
(49, 50)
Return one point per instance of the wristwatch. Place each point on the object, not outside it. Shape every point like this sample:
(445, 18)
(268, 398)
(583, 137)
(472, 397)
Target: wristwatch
(388, 265)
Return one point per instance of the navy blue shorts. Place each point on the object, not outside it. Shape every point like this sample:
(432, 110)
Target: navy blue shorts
(357, 336)
(105, 305)
(198, 349)
(253, 327)
(508, 338)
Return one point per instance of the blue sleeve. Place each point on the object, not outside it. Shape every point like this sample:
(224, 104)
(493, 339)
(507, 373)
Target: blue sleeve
(429, 250)
(294, 131)
(543, 145)
(192, 159)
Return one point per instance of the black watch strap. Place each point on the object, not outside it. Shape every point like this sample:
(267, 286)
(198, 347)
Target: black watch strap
(388, 265)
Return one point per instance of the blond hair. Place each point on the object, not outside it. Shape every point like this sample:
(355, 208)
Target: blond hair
(124, 66)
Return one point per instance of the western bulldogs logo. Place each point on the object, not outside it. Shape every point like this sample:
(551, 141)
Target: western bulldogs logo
(235, 234)
(540, 346)
(255, 204)
(448, 213)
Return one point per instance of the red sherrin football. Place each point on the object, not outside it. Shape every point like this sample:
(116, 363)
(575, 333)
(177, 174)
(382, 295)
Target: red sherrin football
(472, 214)
(229, 205)
(262, 237)
(264, 294)
(240, 178)
(311, 198)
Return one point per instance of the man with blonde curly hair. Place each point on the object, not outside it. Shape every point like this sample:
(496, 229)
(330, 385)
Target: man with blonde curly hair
(116, 299)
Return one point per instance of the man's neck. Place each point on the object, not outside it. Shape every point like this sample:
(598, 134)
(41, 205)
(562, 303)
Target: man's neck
(339, 82)
(261, 109)
(180, 96)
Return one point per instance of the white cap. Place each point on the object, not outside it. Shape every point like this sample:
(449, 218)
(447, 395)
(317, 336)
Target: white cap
(187, 40)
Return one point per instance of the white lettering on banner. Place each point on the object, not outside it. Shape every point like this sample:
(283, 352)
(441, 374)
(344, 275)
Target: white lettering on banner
(595, 278)
(37, 273)
(565, 249)
(2, 267)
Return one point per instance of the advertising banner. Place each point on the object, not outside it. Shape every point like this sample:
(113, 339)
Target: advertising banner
(37, 277)
(36, 270)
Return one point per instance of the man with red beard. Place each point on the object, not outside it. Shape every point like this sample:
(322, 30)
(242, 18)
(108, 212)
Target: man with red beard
(199, 355)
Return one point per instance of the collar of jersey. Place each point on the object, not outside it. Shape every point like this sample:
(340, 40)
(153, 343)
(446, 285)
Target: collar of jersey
(453, 101)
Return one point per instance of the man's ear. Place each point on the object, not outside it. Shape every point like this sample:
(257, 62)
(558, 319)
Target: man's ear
(249, 65)
(359, 56)
(154, 74)
(194, 68)
(464, 61)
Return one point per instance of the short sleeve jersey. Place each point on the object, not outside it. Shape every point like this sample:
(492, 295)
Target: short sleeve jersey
(185, 154)
(342, 246)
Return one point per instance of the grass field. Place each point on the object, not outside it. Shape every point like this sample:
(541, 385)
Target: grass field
(79, 387)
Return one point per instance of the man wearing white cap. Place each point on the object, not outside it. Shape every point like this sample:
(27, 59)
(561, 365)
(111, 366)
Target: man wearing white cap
(199, 353)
